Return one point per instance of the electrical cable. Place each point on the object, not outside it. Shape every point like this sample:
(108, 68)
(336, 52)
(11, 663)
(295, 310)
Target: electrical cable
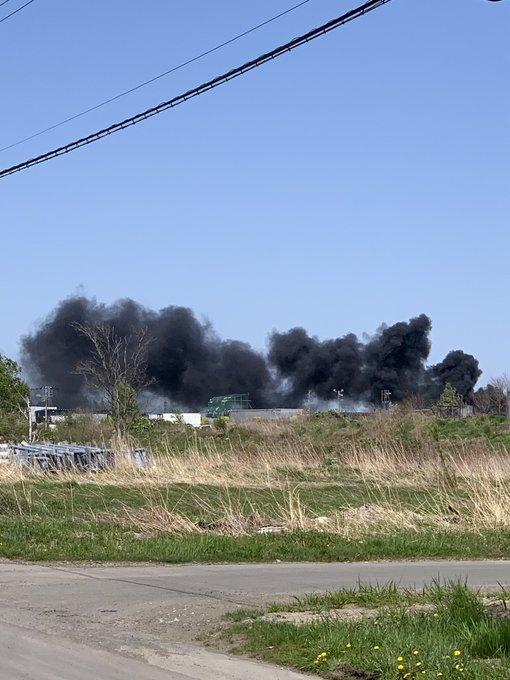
(4, 3)
(152, 80)
(201, 89)
(16, 10)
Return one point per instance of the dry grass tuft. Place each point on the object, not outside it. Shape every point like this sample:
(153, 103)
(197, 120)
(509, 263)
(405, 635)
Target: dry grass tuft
(237, 517)
(484, 504)
(381, 518)
(157, 519)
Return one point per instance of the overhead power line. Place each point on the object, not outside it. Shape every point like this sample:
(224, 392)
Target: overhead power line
(201, 89)
(152, 80)
(4, 3)
(16, 10)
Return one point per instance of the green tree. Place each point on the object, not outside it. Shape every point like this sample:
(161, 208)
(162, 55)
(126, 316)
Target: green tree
(13, 390)
(451, 398)
(124, 407)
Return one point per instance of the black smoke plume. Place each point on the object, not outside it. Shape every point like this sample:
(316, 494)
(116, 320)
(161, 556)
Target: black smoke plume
(190, 364)
(395, 359)
(307, 364)
(187, 360)
(460, 370)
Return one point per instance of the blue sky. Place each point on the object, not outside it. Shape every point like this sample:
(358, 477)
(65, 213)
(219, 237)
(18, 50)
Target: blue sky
(361, 179)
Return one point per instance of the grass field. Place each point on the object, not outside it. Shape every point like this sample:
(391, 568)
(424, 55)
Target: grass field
(391, 485)
(443, 631)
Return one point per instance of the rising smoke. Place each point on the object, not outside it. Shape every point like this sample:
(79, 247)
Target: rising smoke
(189, 363)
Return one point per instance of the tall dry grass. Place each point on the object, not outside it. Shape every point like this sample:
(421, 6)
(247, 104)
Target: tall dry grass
(464, 484)
(236, 516)
(274, 462)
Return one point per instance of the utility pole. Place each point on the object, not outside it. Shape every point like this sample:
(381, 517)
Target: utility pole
(340, 396)
(385, 399)
(47, 394)
(309, 401)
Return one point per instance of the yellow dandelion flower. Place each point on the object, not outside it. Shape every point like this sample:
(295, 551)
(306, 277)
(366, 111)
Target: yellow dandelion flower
(400, 667)
(439, 674)
(456, 652)
(416, 652)
(348, 644)
(419, 663)
(400, 658)
(435, 615)
(376, 647)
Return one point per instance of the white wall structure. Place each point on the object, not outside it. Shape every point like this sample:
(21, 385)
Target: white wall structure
(193, 419)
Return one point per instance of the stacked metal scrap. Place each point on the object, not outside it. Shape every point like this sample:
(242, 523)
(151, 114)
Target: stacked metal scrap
(64, 456)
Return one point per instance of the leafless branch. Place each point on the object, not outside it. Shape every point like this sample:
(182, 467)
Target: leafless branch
(116, 362)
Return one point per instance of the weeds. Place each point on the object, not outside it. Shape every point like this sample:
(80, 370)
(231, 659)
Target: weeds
(365, 595)
(455, 637)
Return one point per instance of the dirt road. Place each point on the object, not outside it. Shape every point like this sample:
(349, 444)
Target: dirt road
(70, 622)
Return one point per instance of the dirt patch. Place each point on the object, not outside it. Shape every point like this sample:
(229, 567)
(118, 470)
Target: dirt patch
(344, 672)
(499, 609)
(349, 612)
(186, 621)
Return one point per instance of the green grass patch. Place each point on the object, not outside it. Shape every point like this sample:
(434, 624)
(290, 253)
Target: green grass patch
(495, 429)
(457, 638)
(50, 497)
(365, 595)
(63, 539)
(242, 615)
(66, 520)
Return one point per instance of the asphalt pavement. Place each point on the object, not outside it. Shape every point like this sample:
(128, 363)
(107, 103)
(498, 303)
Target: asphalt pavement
(109, 622)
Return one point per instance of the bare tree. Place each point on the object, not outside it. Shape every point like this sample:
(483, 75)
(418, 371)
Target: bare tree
(493, 399)
(118, 367)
